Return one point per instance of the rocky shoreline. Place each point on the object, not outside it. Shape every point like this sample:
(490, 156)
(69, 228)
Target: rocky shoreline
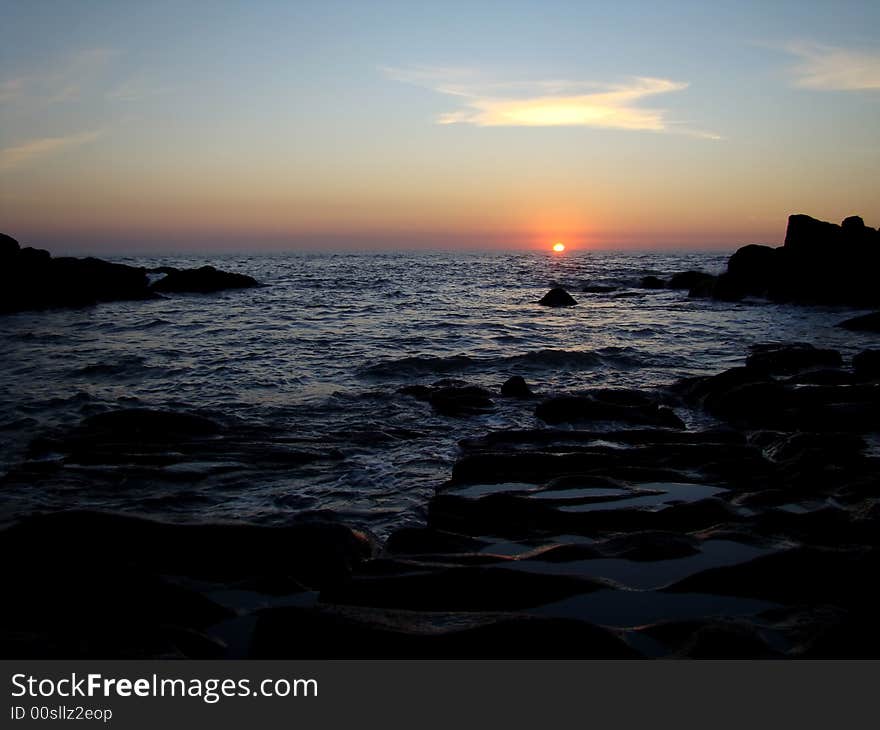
(32, 279)
(819, 263)
(621, 530)
(735, 515)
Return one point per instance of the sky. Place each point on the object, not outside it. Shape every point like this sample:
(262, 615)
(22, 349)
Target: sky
(262, 125)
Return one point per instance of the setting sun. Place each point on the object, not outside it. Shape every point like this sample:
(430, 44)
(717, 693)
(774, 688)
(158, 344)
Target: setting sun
(559, 247)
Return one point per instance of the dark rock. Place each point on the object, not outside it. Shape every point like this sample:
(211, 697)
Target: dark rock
(652, 282)
(9, 248)
(867, 365)
(424, 540)
(31, 279)
(797, 575)
(558, 297)
(760, 404)
(852, 636)
(314, 554)
(806, 234)
(690, 280)
(708, 389)
(865, 323)
(727, 640)
(727, 288)
(815, 450)
(573, 409)
(754, 268)
(822, 376)
(819, 263)
(516, 387)
(461, 401)
(477, 588)
(338, 632)
(788, 358)
(204, 280)
(649, 545)
(452, 397)
(704, 287)
(139, 423)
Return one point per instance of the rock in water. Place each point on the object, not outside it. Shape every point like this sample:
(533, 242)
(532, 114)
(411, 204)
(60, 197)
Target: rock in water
(31, 279)
(516, 387)
(558, 297)
(785, 359)
(203, 280)
(652, 282)
(865, 323)
(690, 280)
(867, 365)
(819, 263)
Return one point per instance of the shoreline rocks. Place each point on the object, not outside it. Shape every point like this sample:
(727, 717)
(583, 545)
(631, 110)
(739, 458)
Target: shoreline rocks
(203, 280)
(32, 279)
(819, 263)
(583, 541)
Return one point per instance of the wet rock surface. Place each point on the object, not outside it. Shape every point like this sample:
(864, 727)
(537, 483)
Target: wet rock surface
(730, 516)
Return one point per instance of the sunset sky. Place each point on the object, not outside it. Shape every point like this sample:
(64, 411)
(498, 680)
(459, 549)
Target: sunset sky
(148, 126)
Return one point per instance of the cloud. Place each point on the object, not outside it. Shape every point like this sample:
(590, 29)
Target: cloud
(834, 69)
(69, 80)
(34, 149)
(554, 103)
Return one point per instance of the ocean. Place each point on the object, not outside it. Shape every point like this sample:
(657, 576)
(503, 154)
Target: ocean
(312, 363)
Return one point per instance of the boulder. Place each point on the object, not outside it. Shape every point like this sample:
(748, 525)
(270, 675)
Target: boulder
(790, 358)
(31, 279)
(516, 387)
(867, 365)
(204, 280)
(690, 280)
(573, 409)
(340, 632)
(754, 268)
(315, 554)
(819, 263)
(558, 297)
(147, 423)
(865, 323)
(469, 588)
(9, 248)
(652, 282)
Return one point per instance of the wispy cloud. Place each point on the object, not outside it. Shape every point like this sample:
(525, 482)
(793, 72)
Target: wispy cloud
(35, 149)
(66, 81)
(834, 69)
(552, 103)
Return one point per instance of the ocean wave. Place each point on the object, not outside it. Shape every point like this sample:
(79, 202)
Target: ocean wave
(538, 360)
(124, 366)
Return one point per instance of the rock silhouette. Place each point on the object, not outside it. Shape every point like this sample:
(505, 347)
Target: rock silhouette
(820, 262)
(865, 323)
(203, 280)
(558, 297)
(32, 279)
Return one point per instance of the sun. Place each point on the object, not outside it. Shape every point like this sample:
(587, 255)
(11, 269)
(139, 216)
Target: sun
(558, 247)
